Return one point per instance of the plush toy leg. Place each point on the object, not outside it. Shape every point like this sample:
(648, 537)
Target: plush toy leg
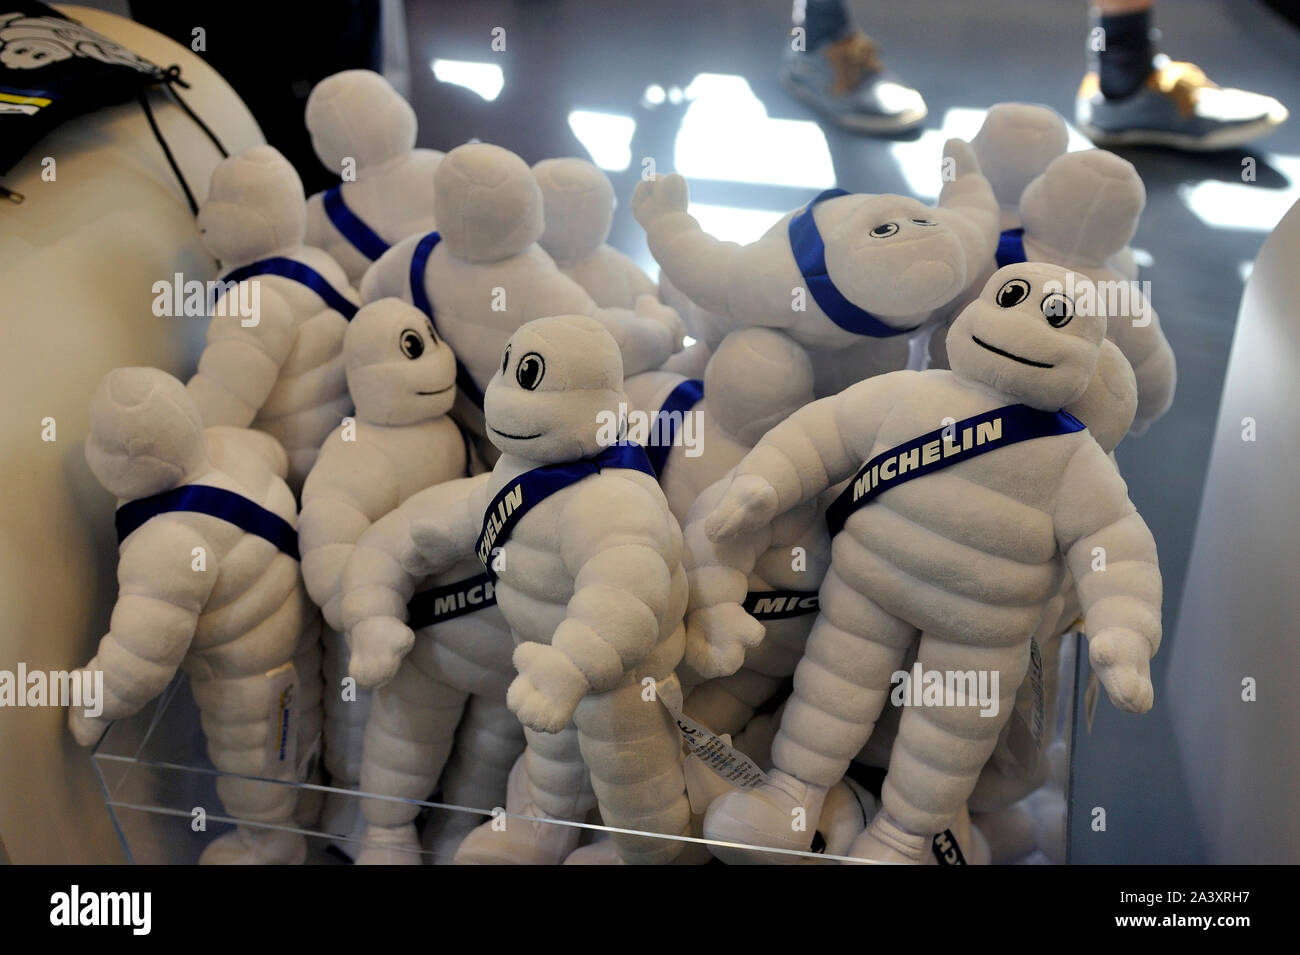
(346, 708)
(940, 751)
(488, 742)
(727, 705)
(633, 750)
(307, 663)
(408, 739)
(549, 781)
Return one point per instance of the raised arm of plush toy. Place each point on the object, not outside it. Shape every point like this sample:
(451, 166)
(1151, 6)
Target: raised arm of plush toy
(966, 190)
(159, 601)
(429, 533)
(241, 360)
(390, 274)
(814, 449)
(1112, 557)
(1143, 343)
(617, 542)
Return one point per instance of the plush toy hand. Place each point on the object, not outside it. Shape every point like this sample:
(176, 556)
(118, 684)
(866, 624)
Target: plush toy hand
(750, 502)
(548, 688)
(86, 730)
(658, 197)
(1139, 426)
(647, 306)
(1122, 659)
(717, 638)
(378, 646)
(960, 159)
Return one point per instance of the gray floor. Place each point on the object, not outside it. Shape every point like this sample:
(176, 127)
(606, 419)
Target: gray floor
(1201, 225)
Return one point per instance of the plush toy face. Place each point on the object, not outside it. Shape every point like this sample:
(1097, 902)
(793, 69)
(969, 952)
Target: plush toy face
(255, 207)
(1025, 338)
(399, 371)
(578, 200)
(559, 378)
(756, 379)
(487, 204)
(1016, 143)
(357, 114)
(146, 435)
(1085, 204)
(895, 256)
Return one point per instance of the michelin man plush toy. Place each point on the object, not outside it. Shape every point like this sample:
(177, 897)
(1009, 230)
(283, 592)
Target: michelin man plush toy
(849, 277)
(958, 565)
(482, 274)
(273, 359)
(208, 582)
(364, 131)
(586, 558)
(1015, 143)
(578, 203)
(402, 379)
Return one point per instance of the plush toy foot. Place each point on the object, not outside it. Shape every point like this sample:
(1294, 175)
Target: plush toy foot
(1008, 832)
(342, 817)
(846, 812)
(509, 840)
(774, 813)
(885, 841)
(600, 852)
(247, 846)
(443, 833)
(397, 845)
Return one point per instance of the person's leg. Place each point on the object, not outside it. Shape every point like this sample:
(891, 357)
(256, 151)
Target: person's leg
(1134, 95)
(835, 68)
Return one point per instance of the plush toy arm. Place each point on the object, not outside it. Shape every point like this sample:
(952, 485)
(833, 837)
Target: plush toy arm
(390, 274)
(1112, 557)
(818, 446)
(240, 364)
(225, 443)
(1143, 343)
(160, 598)
(965, 190)
(645, 337)
(718, 628)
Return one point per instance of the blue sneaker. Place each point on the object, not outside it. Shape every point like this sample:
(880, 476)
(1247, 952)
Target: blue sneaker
(1178, 107)
(845, 82)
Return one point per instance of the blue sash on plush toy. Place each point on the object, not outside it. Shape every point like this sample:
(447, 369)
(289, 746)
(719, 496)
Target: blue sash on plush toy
(1011, 247)
(969, 438)
(215, 502)
(529, 489)
(419, 261)
(780, 604)
(810, 255)
(449, 601)
(295, 271)
(351, 226)
(679, 401)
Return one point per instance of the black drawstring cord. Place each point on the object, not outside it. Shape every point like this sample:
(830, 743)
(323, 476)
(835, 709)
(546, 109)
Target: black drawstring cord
(143, 96)
(171, 78)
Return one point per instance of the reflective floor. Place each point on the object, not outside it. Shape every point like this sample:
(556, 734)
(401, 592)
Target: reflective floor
(692, 87)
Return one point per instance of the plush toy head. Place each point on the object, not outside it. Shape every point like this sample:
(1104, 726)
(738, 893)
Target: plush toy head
(399, 371)
(255, 207)
(578, 200)
(1110, 402)
(756, 379)
(487, 204)
(357, 114)
(895, 256)
(1015, 144)
(146, 435)
(559, 378)
(1025, 338)
(1085, 205)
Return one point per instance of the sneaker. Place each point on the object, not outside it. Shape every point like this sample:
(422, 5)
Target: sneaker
(846, 82)
(1178, 106)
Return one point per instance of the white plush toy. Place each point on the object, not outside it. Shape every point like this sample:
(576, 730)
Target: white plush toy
(958, 565)
(586, 555)
(1015, 143)
(364, 131)
(578, 209)
(850, 277)
(402, 379)
(208, 582)
(483, 275)
(276, 366)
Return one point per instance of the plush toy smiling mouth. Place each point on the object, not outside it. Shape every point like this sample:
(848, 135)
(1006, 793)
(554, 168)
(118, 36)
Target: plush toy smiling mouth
(517, 437)
(1007, 354)
(438, 392)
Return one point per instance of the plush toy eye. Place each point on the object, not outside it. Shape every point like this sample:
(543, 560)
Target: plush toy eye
(530, 371)
(1058, 309)
(884, 230)
(412, 343)
(925, 222)
(1012, 293)
(505, 360)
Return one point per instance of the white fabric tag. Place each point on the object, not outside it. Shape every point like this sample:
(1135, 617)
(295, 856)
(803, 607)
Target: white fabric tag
(282, 723)
(711, 750)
